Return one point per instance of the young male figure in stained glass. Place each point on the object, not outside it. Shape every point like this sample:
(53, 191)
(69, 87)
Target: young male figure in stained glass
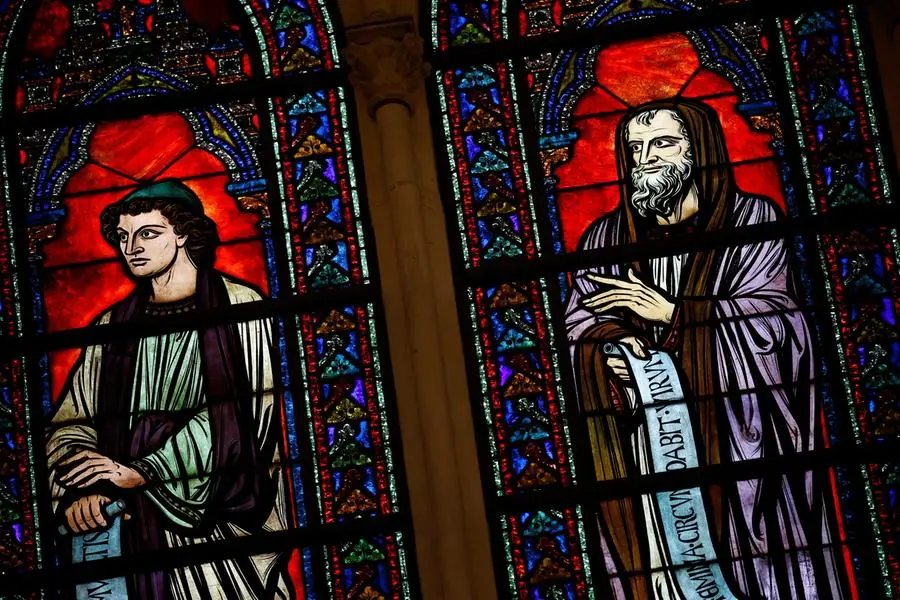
(182, 426)
(729, 318)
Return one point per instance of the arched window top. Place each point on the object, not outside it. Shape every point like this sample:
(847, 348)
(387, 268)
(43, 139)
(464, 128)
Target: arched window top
(79, 52)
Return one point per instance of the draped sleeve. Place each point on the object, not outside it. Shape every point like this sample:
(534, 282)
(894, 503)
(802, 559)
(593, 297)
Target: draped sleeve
(762, 344)
(598, 396)
(256, 341)
(169, 426)
(602, 234)
(181, 468)
(587, 332)
(72, 426)
(258, 346)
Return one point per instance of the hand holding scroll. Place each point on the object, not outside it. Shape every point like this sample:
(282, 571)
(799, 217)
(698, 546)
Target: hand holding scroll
(86, 513)
(617, 365)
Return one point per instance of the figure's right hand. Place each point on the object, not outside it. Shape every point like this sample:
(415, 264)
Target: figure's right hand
(618, 366)
(86, 513)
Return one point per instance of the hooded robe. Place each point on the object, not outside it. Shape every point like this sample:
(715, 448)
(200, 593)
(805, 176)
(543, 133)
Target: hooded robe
(745, 353)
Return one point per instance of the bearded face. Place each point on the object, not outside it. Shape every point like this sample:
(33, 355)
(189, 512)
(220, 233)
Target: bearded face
(657, 191)
(663, 162)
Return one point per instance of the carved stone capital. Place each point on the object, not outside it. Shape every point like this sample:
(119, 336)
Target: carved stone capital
(386, 64)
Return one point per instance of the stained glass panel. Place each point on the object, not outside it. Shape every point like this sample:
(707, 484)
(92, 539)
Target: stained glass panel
(18, 535)
(545, 549)
(195, 371)
(488, 170)
(9, 317)
(467, 23)
(541, 17)
(531, 447)
(320, 191)
(73, 46)
(356, 473)
(370, 567)
(473, 22)
(665, 277)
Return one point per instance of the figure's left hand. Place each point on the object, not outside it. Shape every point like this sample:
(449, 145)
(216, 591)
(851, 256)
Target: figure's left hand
(643, 300)
(91, 467)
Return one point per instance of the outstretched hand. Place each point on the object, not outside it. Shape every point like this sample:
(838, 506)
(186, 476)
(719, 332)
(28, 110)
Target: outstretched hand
(89, 467)
(645, 301)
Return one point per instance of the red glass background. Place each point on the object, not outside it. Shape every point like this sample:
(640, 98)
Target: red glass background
(83, 275)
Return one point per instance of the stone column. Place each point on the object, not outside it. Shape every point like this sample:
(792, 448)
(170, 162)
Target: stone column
(377, 10)
(886, 15)
(451, 533)
(884, 23)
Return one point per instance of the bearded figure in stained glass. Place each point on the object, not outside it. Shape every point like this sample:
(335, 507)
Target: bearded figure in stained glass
(729, 319)
(179, 426)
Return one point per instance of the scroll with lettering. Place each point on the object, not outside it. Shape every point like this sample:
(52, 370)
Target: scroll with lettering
(672, 447)
(98, 545)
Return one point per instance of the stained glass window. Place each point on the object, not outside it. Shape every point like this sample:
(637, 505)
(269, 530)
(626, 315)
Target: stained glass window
(674, 230)
(194, 398)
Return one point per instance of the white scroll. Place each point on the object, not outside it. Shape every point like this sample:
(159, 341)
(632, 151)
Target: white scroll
(673, 448)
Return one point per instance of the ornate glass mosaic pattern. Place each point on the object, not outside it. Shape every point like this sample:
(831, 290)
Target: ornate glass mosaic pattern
(191, 356)
(639, 224)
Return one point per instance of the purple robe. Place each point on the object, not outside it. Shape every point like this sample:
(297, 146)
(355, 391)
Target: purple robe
(763, 377)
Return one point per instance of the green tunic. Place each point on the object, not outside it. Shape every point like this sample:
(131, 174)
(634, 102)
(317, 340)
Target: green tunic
(168, 378)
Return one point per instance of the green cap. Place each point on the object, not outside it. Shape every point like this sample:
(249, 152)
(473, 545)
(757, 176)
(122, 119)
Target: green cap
(170, 189)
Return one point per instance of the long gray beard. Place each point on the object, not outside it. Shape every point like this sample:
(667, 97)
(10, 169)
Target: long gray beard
(658, 193)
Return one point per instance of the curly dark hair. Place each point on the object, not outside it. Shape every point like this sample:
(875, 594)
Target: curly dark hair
(201, 232)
